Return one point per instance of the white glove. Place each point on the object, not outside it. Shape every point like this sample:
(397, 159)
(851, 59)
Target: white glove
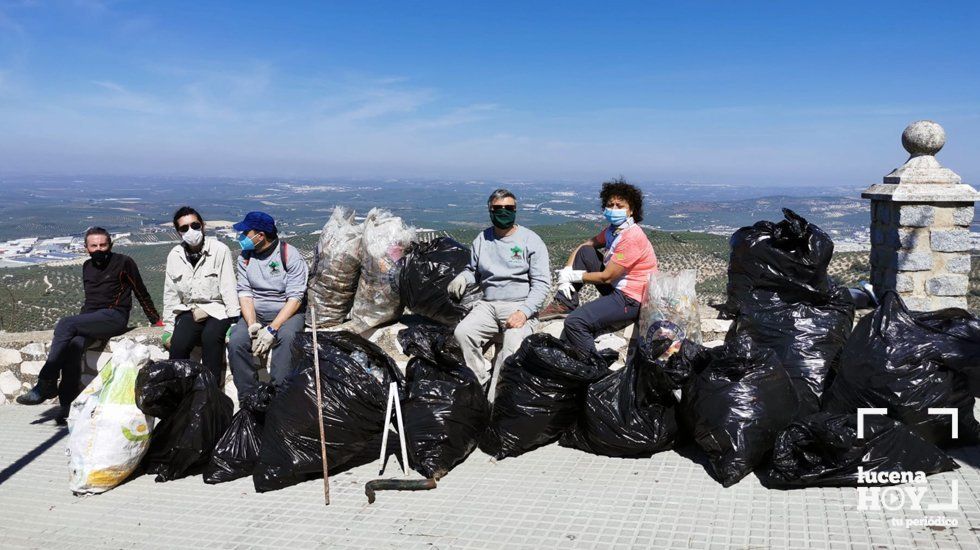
(566, 276)
(457, 287)
(567, 289)
(254, 329)
(263, 342)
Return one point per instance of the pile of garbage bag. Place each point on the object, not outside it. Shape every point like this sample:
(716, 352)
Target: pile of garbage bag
(780, 294)
(736, 402)
(108, 435)
(237, 450)
(825, 450)
(910, 362)
(444, 407)
(354, 378)
(193, 413)
(539, 395)
(424, 274)
(336, 269)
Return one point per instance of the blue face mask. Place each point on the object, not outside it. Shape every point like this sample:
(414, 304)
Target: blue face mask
(614, 216)
(246, 243)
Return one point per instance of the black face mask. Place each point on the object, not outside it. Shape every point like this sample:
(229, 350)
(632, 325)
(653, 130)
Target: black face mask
(100, 258)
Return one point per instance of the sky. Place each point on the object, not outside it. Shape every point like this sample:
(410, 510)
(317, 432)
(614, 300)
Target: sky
(784, 93)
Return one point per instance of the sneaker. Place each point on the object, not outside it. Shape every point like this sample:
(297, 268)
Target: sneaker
(41, 392)
(554, 310)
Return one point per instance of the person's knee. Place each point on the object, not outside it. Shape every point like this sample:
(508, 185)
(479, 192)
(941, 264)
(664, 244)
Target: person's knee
(576, 322)
(464, 333)
(63, 326)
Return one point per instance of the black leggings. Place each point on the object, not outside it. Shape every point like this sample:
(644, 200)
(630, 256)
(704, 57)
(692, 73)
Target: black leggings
(209, 334)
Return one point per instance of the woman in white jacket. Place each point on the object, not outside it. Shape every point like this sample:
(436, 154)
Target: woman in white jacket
(200, 295)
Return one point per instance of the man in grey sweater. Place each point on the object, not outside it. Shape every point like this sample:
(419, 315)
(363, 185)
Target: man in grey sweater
(510, 263)
(272, 294)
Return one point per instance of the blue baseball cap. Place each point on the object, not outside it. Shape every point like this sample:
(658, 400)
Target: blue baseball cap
(257, 221)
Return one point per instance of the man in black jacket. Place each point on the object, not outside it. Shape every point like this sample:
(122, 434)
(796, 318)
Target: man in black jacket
(110, 281)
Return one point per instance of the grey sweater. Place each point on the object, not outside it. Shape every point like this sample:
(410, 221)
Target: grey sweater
(268, 282)
(514, 268)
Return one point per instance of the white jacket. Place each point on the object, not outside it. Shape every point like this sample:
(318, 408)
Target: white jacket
(210, 285)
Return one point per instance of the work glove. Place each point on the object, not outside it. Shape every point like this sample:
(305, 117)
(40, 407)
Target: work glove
(199, 314)
(457, 287)
(165, 339)
(263, 342)
(254, 329)
(566, 276)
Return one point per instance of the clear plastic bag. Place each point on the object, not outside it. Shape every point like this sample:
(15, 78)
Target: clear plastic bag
(384, 242)
(336, 269)
(670, 309)
(107, 433)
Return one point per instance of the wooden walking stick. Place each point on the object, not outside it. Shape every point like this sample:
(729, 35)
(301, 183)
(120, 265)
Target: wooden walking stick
(319, 407)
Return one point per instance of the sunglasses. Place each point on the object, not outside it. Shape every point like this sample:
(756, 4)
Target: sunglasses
(511, 207)
(196, 226)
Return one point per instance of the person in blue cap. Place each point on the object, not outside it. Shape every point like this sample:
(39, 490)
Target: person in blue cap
(272, 293)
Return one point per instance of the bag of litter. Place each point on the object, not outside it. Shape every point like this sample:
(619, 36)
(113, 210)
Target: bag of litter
(187, 433)
(354, 377)
(736, 404)
(235, 453)
(336, 269)
(445, 409)
(377, 301)
(626, 413)
(424, 273)
(108, 435)
(824, 450)
(540, 394)
(780, 294)
(908, 363)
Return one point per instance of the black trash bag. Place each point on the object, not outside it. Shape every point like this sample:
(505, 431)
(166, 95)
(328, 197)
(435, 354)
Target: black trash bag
(540, 393)
(823, 450)
(426, 270)
(182, 442)
(780, 294)
(908, 362)
(736, 404)
(445, 409)
(235, 454)
(627, 413)
(354, 378)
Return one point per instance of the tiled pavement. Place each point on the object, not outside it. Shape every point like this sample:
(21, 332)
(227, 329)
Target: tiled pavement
(549, 498)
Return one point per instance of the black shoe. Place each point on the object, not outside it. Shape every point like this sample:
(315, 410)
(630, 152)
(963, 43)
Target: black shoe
(62, 418)
(41, 392)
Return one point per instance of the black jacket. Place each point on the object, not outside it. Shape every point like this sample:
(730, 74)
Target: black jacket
(114, 285)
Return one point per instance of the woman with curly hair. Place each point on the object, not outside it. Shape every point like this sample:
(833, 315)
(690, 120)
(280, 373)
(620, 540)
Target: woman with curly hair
(620, 272)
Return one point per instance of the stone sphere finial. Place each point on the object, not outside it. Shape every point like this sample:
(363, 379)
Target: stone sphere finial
(923, 137)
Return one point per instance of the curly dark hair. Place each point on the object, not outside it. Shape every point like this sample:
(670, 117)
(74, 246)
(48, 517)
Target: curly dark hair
(621, 189)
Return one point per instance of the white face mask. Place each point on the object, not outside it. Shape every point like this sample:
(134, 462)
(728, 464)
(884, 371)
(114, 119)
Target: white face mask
(193, 237)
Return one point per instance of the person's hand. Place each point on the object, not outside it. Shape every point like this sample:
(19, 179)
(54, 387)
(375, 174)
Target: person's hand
(564, 275)
(254, 329)
(566, 289)
(263, 342)
(165, 339)
(516, 319)
(457, 287)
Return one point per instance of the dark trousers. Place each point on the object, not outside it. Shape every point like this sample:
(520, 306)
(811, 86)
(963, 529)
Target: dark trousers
(612, 311)
(209, 334)
(72, 335)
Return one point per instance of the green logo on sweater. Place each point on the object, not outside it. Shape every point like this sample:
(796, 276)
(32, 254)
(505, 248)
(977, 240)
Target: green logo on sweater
(274, 266)
(517, 252)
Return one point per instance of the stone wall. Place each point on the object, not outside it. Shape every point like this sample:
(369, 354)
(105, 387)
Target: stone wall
(22, 354)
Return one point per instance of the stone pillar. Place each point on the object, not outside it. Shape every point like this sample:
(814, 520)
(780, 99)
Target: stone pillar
(920, 226)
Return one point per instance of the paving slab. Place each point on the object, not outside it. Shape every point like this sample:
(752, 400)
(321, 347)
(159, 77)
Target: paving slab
(549, 498)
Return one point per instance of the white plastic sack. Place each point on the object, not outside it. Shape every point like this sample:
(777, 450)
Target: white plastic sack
(336, 269)
(670, 309)
(383, 243)
(107, 434)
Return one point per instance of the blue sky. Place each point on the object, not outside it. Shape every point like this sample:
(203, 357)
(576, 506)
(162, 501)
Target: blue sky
(795, 93)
